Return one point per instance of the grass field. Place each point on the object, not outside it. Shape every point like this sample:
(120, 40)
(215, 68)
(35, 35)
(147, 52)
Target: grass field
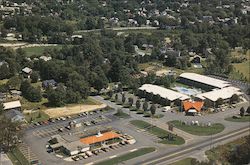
(241, 70)
(187, 161)
(199, 130)
(26, 105)
(38, 50)
(16, 157)
(121, 114)
(4, 81)
(161, 133)
(36, 116)
(242, 119)
(128, 156)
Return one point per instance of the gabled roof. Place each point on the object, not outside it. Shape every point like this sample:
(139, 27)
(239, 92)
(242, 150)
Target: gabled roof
(205, 80)
(100, 138)
(197, 105)
(163, 92)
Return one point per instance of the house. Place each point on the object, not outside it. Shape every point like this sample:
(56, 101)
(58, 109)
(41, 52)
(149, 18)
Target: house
(49, 83)
(13, 105)
(15, 93)
(45, 58)
(15, 116)
(192, 107)
(27, 72)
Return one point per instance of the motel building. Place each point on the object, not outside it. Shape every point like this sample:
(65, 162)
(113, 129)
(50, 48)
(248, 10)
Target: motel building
(72, 145)
(215, 92)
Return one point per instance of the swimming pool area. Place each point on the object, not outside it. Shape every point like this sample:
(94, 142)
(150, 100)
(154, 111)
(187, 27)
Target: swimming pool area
(187, 91)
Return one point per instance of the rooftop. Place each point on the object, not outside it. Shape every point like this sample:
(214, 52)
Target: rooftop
(197, 105)
(163, 92)
(100, 137)
(205, 80)
(224, 93)
(11, 105)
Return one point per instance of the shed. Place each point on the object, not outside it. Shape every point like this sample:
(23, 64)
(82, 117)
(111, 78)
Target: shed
(12, 105)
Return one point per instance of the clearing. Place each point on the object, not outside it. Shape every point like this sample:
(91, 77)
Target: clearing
(72, 110)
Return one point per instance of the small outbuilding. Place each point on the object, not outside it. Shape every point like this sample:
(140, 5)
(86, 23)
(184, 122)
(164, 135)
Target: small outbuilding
(27, 72)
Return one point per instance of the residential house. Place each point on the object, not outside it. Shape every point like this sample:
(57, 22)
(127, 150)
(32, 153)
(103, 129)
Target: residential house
(49, 83)
(27, 72)
(14, 116)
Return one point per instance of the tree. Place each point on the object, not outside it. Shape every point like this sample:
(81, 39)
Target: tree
(56, 97)
(1, 108)
(8, 133)
(138, 104)
(248, 110)
(145, 106)
(153, 109)
(14, 82)
(34, 77)
(219, 102)
(116, 96)
(131, 101)
(123, 98)
(234, 98)
(242, 111)
(34, 94)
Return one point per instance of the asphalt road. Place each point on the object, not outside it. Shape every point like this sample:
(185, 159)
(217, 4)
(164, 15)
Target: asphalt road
(195, 147)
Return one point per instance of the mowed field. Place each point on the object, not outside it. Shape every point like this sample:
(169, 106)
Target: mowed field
(72, 110)
(244, 67)
(39, 50)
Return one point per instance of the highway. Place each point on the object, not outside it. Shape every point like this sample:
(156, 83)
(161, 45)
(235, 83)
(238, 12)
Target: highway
(190, 150)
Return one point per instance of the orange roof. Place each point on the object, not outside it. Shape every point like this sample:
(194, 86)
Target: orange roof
(95, 139)
(197, 105)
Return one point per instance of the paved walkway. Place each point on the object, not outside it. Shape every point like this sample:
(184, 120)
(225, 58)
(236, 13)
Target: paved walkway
(4, 160)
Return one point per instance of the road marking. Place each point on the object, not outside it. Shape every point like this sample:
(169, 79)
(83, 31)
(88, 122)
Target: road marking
(113, 156)
(133, 150)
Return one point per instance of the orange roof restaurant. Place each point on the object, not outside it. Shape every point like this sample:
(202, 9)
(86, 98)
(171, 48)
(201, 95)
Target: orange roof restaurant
(100, 138)
(192, 107)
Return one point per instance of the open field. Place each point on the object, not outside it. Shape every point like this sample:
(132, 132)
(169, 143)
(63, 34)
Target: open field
(36, 116)
(241, 70)
(160, 133)
(4, 81)
(16, 157)
(26, 105)
(72, 110)
(199, 130)
(187, 161)
(242, 119)
(128, 156)
(38, 50)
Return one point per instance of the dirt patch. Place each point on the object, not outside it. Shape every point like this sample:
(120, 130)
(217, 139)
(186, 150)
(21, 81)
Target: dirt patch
(72, 110)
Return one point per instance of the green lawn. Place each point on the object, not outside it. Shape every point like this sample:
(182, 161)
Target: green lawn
(33, 105)
(242, 119)
(37, 116)
(187, 161)
(38, 50)
(4, 81)
(161, 133)
(243, 68)
(121, 114)
(16, 157)
(199, 130)
(127, 156)
(91, 101)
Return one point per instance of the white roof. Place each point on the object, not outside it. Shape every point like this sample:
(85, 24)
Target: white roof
(11, 105)
(27, 70)
(224, 93)
(205, 80)
(163, 92)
